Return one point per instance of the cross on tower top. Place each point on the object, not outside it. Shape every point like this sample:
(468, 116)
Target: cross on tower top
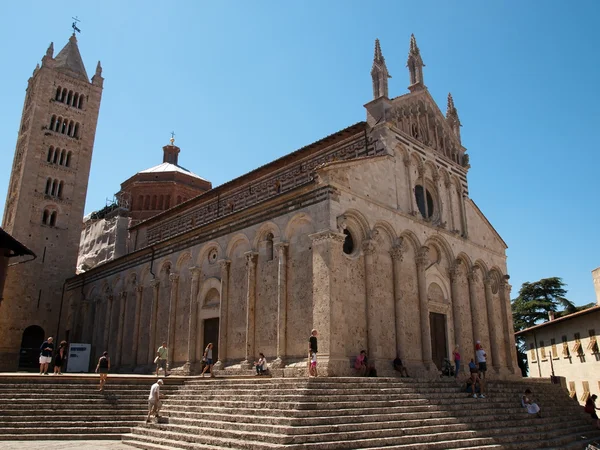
(172, 140)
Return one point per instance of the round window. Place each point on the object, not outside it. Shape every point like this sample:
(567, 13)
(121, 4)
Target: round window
(348, 243)
(424, 201)
(212, 256)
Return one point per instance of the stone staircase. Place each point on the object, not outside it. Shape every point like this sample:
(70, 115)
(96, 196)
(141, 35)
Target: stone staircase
(361, 413)
(67, 407)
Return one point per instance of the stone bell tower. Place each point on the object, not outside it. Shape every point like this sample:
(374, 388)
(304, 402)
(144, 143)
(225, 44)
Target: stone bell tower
(46, 196)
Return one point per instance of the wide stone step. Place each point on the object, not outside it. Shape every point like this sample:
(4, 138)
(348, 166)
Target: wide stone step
(91, 435)
(93, 416)
(107, 410)
(35, 428)
(153, 443)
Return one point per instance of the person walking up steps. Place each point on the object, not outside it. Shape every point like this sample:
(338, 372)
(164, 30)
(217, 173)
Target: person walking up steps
(102, 368)
(59, 358)
(312, 350)
(154, 402)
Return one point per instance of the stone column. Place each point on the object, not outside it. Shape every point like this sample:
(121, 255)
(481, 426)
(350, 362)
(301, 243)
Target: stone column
(139, 291)
(453, 273)
(153, 318)
(509, 328)
(463, 215)
(396, 254)
(328, 296)
(250, 304)
(119, 352)
(368, 248)
(193, 322)
(448, 185)
(282, 254)
(422, 260)
(107, 324)
(494, 361)
(174, 278)
(411, 207)
(476, 326)
(223, 306)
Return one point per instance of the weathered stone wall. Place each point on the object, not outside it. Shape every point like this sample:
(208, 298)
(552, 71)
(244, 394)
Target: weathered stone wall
(102, 240)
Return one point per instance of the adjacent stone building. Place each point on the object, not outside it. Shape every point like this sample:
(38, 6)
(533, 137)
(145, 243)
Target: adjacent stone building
(46, 195)
(567, 347)
(368, 235)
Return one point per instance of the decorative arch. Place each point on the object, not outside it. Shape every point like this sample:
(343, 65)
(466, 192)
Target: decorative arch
(384, 231)
(266, 228)
(165, 268)
(145, 275)
(92, 292)
(292, 225)
(234, 242)
(357, 221)
(131, 281)
(431, 169)
(442, 246)
(479, 264)
(106, 289)
(117, 284)
(410, 238)
(205, 251)
(183, 258)
(208, 285)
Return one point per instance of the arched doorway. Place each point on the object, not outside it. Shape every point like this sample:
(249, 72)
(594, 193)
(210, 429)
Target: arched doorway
(33, 337)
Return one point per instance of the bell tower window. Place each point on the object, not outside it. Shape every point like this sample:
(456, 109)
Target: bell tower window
(425, 201)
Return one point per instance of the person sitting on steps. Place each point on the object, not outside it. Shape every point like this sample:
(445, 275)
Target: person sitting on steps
(527, 402)
(399, 367)
(474, 387)
(261, 365)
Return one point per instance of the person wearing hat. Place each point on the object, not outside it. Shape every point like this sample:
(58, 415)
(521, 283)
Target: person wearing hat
(154, 402)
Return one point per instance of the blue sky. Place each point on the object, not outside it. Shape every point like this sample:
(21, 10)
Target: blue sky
(242, 83)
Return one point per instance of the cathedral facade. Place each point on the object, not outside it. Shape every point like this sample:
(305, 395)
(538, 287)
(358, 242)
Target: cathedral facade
(368, 235)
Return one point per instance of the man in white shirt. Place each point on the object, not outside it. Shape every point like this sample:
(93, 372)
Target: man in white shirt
(481, 359)
(154, 403)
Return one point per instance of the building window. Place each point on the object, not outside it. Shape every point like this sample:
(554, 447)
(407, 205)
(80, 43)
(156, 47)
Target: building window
(586, 391)
(167, 202)
(53, 219)
(153, 202)
(572, 391)
(593, 345)
(45, 217)
(161, 201)
(424, 201)
(348, 242)
(58, 92)
(554, 350)
(68, 161)
(577, 347)
(565, 349)
(269, 247)
(543, 350)
(532, 352)
(48, 186)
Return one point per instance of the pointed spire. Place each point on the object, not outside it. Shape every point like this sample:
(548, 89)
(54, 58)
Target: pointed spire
(452, 117)
(99, 69)
(379, 73)
(69, 59)
(415, 66)
(50, 51)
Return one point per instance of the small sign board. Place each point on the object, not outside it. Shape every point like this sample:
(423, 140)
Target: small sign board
(79, 358)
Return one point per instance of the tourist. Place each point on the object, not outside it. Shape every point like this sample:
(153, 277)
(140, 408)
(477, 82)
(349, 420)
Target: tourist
(312, 348)
(208, 359)
(102, 368)
(474, 387)
(399, 367)
(473, 369)
(162, 356)
(481, 359)
(456, 356)
(261, 364)
(590, 408)
(312, 370)
(60, 357)
(46, 350)
(527, 402)
(154, 402)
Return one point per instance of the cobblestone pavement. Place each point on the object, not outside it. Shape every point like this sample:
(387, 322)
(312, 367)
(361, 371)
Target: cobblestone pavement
(64, 445)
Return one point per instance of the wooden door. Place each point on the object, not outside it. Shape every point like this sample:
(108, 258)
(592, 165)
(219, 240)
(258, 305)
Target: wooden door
(211, 334)
(439, 345)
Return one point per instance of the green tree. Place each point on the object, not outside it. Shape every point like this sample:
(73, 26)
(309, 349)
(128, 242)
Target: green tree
(532, 306)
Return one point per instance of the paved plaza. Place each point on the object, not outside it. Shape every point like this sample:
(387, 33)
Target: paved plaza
(65, 445)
